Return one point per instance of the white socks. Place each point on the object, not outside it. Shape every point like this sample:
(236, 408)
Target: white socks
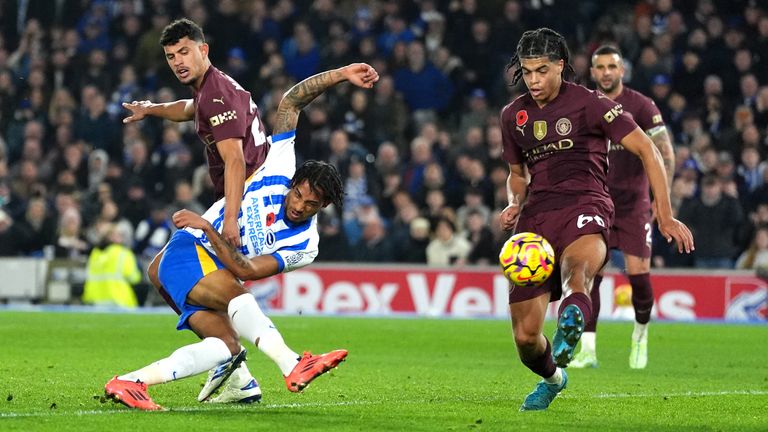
(588, 342)
(251, 323)
(556, 378)
(240, 377)
(640, 332)
(186, 361)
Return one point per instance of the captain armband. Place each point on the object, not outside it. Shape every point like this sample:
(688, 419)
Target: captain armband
(655, 130)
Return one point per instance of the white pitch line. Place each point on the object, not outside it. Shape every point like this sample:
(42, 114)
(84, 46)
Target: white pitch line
(231, 408)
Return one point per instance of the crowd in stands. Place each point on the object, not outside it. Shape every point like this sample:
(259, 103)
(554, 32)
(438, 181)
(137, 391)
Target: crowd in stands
(420, 153)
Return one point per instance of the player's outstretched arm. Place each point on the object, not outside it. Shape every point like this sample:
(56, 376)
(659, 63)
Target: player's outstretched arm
(178, 111)
(638, 143)
(300, 95)
(243, 268)
(517, 191)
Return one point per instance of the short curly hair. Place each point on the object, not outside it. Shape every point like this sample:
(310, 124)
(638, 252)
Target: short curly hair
(181, 28)
(323, 178)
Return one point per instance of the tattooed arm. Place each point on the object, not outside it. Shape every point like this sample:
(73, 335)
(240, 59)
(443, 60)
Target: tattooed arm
(243, 268)
(664, 144)
(300, 95)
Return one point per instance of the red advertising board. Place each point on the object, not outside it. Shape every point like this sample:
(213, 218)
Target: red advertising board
(482, 292)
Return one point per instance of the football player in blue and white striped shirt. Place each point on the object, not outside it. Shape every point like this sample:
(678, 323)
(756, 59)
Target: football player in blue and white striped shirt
(199, 273)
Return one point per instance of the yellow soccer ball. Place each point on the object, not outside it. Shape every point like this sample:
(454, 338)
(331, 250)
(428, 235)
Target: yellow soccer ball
(622, 295)
(527, 259)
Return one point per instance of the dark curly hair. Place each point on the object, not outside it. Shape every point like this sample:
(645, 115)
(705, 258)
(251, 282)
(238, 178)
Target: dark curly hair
(180, 28)
(542, 42)
(323, 179)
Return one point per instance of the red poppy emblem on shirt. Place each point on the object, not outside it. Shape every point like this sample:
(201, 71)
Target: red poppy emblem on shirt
(270, 219)
(521, 117)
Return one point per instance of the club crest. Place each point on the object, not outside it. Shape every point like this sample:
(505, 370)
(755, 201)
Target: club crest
(563, 126)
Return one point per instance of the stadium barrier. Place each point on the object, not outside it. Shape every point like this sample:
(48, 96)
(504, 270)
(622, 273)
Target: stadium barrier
(390, 290)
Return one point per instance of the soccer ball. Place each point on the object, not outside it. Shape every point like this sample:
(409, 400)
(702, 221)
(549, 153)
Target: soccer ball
(622, 295)
(527, 259)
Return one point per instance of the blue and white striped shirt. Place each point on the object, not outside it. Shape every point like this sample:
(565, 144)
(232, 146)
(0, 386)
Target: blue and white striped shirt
(264, 229)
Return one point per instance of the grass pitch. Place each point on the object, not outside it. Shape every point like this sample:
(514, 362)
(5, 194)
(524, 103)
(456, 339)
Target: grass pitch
(401, 375)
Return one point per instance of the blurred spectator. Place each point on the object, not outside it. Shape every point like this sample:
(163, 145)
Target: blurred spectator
(396, 30)
(10, 236)
(414, 250)
(434, 203)
(447, 248)
(421, 155)
(473, 203)
(37, 229)
(136, 205)
(343, 151)
(477, 112)
(756, 255)
(96, 128)
(10, 203)
(111, 272)
(751, 169)
(153, 232)
(434, 179)
(71, 243)
(478, 56)
(356, 121)
(184, 199)
(96, 73)
(689, 77)
(98, 161)
(236, 65)
(109, 214)
(480, 238)
(425, 89)
(302, 56)
(357, 188)
(374, 245)
(714, 219)
(388, 112)
(333, 244)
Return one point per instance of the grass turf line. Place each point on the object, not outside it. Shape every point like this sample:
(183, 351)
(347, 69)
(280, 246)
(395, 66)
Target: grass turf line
(402, 374)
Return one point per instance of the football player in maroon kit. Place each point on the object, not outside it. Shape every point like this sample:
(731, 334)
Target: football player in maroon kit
(632, 226)
(556, 144)
(226, 118)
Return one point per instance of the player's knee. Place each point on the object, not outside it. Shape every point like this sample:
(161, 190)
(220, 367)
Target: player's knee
(526, 340)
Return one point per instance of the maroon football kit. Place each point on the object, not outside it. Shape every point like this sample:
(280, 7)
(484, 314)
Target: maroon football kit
(223, 109)
(628, 182)
(565, 148)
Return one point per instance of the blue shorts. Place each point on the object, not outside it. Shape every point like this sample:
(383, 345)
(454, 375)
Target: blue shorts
(185, 261)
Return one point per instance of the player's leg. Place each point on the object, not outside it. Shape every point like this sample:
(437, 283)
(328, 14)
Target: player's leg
(587, 356)
(220, 290)
(581, 260)
(131, 388)
(233, 374)
(215, 324)
(535, 351)
(638, 271)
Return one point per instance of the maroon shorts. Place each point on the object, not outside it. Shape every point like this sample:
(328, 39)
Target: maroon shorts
(632, 230)
(560, 227)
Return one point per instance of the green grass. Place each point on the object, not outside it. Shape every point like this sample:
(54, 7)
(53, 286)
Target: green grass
(401, 375)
